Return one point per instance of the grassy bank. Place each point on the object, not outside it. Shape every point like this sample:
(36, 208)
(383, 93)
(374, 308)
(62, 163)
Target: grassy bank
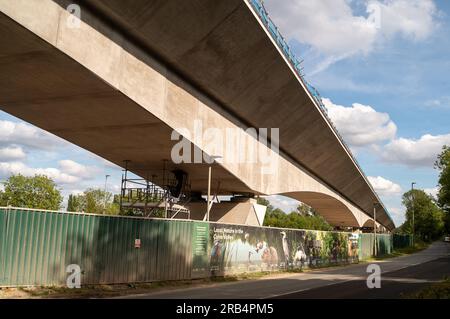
(418, 246)
(439, 290)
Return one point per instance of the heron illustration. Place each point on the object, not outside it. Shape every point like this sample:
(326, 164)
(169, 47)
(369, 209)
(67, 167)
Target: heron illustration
(300, 256)
(285, 246)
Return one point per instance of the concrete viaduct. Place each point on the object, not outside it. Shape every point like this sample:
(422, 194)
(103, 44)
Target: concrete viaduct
(118, 81)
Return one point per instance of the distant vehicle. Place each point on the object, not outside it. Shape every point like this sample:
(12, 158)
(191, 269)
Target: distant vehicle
(447, 239)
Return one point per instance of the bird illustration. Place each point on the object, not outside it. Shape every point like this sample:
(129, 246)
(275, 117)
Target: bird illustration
(216, 251)
(300, 255)
(285, 247)
(270, 257)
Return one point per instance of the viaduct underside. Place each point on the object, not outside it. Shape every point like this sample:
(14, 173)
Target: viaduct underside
(119, 81)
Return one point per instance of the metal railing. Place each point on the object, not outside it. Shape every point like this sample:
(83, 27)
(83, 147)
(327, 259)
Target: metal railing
(259, 8)
(283, 45)
(134, 195)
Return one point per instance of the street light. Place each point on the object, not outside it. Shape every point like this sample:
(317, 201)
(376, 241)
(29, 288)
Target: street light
(375, 228)
(104, 193)
(209, 204)
(412, 203)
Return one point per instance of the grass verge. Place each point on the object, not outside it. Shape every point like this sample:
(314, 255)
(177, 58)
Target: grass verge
(439, 290)
(418, 246)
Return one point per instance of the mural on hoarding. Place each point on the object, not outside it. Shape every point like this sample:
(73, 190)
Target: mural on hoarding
(236, 248)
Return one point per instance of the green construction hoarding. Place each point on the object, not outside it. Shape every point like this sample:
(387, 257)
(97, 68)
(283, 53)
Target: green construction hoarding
(37, 247)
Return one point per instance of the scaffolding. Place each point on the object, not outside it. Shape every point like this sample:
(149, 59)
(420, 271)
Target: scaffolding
(152, 197)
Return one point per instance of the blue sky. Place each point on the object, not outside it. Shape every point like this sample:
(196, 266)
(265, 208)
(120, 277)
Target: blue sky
(383, 74)
(399, 67)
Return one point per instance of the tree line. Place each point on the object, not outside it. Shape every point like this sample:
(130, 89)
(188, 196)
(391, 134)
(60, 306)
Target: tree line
(427, 217)
(304, 217)
(41, 192)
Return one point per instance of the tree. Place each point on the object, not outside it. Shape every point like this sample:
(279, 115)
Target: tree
(428, 218)
(276, 217)
(93, 201)
(38, 192)
(443, 165)
(76, 203)
(305, 210)
(303, 218)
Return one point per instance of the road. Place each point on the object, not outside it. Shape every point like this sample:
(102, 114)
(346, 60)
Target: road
(401, 275)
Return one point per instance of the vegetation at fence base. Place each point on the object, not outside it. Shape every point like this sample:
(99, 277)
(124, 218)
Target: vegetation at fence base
(439, 290)
(397, 252)
(303, 218)
(90, 291)
(418, 246)
(115, 290)
(38, 192)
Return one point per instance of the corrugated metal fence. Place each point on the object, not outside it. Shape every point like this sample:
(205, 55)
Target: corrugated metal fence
(37, 246)
(402, 241)
(386, 244)
(366, 247)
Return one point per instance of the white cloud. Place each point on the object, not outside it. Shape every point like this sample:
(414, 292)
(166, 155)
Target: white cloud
(333, 31)
(69, 172)
(114, 188)
(18, 133)
(28, 150)
(76, 192)
(384, 186)
(282, 202)
(415, 152)
(443, 102)
(432, 191)
(13, 168)
(109, 164)
(329, 26)
(433, 103)
(11, 154)
(361, 125)
(79, 170)
(101, 161)
(397, 214)
(410, 18)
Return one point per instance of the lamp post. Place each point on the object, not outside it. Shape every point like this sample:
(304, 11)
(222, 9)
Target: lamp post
(208, 208)
(375, 228)
(104, 194)
(412, 203)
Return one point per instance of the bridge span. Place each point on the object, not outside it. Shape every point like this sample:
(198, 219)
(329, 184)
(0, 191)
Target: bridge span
(121, 79)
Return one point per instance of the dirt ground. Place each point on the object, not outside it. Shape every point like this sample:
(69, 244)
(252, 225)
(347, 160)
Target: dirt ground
(107, 291)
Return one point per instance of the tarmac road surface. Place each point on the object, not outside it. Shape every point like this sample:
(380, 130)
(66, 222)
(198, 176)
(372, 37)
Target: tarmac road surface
(400, 275)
